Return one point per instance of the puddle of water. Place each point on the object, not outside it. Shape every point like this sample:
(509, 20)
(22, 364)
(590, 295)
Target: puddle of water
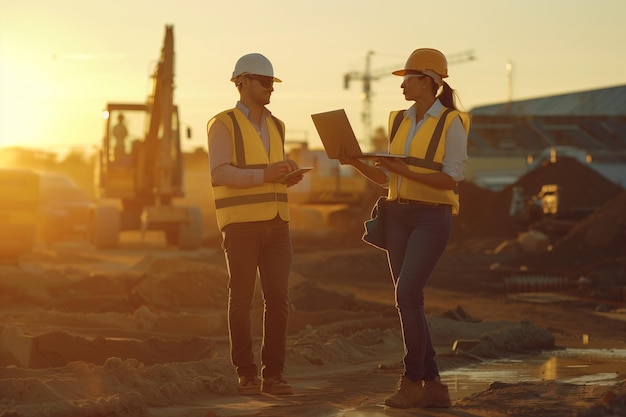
(590, 366)
(575, 366)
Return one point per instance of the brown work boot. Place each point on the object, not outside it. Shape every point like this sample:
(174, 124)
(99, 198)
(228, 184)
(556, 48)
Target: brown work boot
(433, 394)
(249, 385)
(406, 395)
(276, 386)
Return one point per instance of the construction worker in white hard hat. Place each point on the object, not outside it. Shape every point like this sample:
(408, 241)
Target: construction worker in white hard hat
(255, 64)
(422, 197)
(248, 168)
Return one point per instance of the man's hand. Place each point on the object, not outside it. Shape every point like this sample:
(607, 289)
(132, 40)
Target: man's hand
(294, 179)
(274, 172)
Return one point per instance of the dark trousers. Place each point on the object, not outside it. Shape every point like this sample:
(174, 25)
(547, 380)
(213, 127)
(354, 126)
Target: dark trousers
(417, 237)
(263, 247)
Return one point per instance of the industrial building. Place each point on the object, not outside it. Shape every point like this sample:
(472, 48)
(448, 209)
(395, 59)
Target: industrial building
(511, 137)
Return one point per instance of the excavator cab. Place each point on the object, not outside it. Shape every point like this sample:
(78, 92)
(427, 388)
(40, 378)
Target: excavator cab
(129, 168)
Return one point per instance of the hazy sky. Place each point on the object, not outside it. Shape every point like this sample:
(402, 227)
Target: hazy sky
(62, 60)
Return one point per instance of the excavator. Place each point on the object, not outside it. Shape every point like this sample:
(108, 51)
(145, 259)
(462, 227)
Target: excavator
(139, 172)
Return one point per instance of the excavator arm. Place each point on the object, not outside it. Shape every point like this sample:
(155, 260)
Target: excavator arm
(159, 173)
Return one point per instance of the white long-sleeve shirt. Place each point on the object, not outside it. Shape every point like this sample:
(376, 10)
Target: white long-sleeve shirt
(221, 148)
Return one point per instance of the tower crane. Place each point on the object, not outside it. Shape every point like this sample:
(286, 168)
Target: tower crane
(369, 75)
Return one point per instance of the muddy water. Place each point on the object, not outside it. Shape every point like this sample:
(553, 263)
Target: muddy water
(571, 365)
(581, 366)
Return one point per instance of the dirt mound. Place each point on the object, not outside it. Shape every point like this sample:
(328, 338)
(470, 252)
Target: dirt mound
(486, 213)
(526, 337)
(555, 397)
(58, 348)
(174, 284)
(476, 216)
(597, 242)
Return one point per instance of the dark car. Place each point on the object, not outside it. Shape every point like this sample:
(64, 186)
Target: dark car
(64, 209)
(19, 194)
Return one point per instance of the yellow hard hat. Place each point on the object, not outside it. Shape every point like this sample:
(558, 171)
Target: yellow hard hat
(425, 59)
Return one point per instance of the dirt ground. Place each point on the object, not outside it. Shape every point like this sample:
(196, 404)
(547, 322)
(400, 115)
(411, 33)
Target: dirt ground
(141, 331)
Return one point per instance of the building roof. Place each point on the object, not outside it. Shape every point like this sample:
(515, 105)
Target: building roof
(609, 101)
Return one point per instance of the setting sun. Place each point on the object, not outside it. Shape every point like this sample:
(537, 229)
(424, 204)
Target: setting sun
(54, 87)
(53, 101)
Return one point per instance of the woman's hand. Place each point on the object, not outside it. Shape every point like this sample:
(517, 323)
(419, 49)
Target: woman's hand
(395, 165)
(345, 159)
(399, 167)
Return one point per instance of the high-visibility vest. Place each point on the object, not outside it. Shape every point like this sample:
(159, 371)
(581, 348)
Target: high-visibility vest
(425, 155)
(262, 202)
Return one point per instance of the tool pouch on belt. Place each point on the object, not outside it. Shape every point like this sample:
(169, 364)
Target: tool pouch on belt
(375, 227)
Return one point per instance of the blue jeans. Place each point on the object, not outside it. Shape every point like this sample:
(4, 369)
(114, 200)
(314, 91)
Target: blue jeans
(416, 238)
(263, 246)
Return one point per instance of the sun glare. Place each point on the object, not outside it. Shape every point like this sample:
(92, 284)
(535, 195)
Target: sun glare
(50, 102)
(24, 113)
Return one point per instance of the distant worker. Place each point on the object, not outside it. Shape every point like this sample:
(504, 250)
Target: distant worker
(120, 133)
(247, 163)
(517, 209)
(422, 197)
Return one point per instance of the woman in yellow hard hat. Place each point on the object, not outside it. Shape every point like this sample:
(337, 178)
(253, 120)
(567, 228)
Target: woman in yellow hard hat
(422, 197)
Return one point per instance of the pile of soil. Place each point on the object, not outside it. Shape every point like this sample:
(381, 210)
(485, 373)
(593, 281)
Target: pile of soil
(486, 213)
(596, 240)
(596, 243)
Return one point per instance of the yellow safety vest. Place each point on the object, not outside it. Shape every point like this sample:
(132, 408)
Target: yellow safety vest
(425, 155)
(263, 202)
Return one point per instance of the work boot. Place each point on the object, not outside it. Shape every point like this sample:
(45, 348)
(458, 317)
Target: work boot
(249, 385)
(276, 385)
(406, 395)
(433, 394)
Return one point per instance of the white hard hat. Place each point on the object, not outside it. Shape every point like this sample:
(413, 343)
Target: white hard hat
(254, 63)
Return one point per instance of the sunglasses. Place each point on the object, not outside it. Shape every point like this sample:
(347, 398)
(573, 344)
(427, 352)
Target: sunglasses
(266, 82)
(407, 76)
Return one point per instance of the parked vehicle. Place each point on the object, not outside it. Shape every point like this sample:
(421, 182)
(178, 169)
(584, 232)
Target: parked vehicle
(64, 209)
(19, 194)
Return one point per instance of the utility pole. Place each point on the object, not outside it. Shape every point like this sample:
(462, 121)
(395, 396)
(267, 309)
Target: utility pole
(368, 76)
(509, 85)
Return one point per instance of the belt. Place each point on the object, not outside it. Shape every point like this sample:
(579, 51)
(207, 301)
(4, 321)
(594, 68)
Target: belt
(405, 201)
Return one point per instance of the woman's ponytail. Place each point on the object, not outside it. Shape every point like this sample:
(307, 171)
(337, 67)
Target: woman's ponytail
(447, 96)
